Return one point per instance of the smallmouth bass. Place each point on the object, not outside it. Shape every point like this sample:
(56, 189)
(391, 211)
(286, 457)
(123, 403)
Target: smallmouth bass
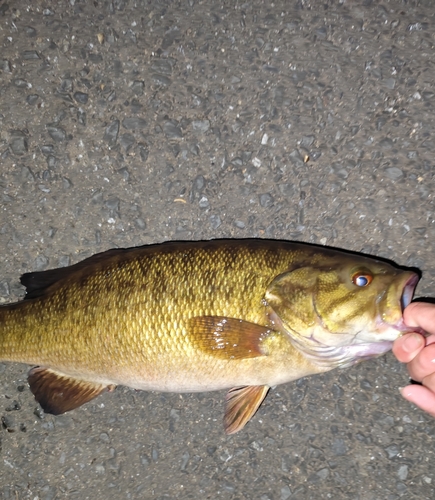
(242, 315)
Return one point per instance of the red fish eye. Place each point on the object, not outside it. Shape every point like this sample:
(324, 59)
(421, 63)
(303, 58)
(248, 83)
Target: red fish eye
(362, 279)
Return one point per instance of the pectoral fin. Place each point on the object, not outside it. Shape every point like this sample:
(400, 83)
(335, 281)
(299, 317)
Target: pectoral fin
(241, 404)
(228, 338)
(58, 393)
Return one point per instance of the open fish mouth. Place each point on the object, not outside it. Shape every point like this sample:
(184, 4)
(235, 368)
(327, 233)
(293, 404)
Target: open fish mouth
(405, 300)
(408, 291)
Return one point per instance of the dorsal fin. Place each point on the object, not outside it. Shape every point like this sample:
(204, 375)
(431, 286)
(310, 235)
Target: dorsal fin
(37, 283)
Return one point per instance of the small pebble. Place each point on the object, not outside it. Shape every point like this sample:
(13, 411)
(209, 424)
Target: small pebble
(201, 125)
(339, 447)
(27, 174)
(8, 423)
(111, 133)
(127, 141)
(30, 32)
(18, 143)
(386, 143)
(288, 190)
(394, 173)
(143, 152)
(57, 133)
(163, 66)
(402, 473)
(5, 66)
(215, 221)
(66, 183)
(81, 97)
(204, 203)
(32, 98)
(14, 406)
(41, 262)
(21, 84)
(171, 130)
(125, 173)
(30, 54)
(296, 158)
(390, 83)
(138, 87)
(140, 223)
(198, 185)
(392, 450)
(134, 123)
(81, 117)
(95, 58)
(161, 80)
(47, 149)
(266, 200)
(66, 85)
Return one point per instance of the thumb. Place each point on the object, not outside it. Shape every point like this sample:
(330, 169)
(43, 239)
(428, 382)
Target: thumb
(407, 347)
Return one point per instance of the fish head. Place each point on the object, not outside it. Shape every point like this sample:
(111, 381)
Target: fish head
(340, 309)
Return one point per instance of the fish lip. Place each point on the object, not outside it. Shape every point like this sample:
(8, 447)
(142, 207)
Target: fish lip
(405, 300)
(408, 291)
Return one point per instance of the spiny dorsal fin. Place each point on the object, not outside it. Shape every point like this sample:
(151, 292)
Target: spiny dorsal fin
(241, 404)
(228, 338)
(58, 393)
(38, 282)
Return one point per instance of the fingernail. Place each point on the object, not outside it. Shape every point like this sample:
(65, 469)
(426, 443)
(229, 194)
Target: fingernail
(412, 342)
(403, 391)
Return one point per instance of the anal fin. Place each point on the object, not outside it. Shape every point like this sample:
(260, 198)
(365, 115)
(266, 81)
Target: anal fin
(58, 393)
(241, 405)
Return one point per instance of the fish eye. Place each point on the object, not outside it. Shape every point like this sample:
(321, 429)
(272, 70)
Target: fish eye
(362, 279)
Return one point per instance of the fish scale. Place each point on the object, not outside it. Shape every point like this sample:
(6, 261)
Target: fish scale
(195, 316)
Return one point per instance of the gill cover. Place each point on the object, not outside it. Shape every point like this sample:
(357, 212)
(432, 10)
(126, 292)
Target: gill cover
(290, 296)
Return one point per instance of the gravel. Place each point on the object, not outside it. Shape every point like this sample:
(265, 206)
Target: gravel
(127, 122)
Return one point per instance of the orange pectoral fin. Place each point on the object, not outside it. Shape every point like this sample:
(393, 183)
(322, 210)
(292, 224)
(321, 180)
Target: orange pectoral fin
(228, 338)
(241, 405)
(58, 393)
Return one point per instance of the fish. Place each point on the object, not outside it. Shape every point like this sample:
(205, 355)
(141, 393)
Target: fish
(236, 315)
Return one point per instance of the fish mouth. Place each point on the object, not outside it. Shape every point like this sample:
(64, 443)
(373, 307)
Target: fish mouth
(405, 300)
(390, 329)
(408, 291)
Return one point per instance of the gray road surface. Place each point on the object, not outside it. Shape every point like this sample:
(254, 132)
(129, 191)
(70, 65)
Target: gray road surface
(127, 122)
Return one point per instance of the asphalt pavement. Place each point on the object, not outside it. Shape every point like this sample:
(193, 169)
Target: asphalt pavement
(127, 122)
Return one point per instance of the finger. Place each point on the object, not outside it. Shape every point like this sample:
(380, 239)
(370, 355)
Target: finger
(429, 382)
(420, 314)
(421, 397)
(423, 364)
(407, 347)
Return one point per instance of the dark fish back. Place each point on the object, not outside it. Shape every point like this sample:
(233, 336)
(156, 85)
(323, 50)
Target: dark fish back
(41, 283)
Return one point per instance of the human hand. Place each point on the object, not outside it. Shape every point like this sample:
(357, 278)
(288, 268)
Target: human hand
(418, 353)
